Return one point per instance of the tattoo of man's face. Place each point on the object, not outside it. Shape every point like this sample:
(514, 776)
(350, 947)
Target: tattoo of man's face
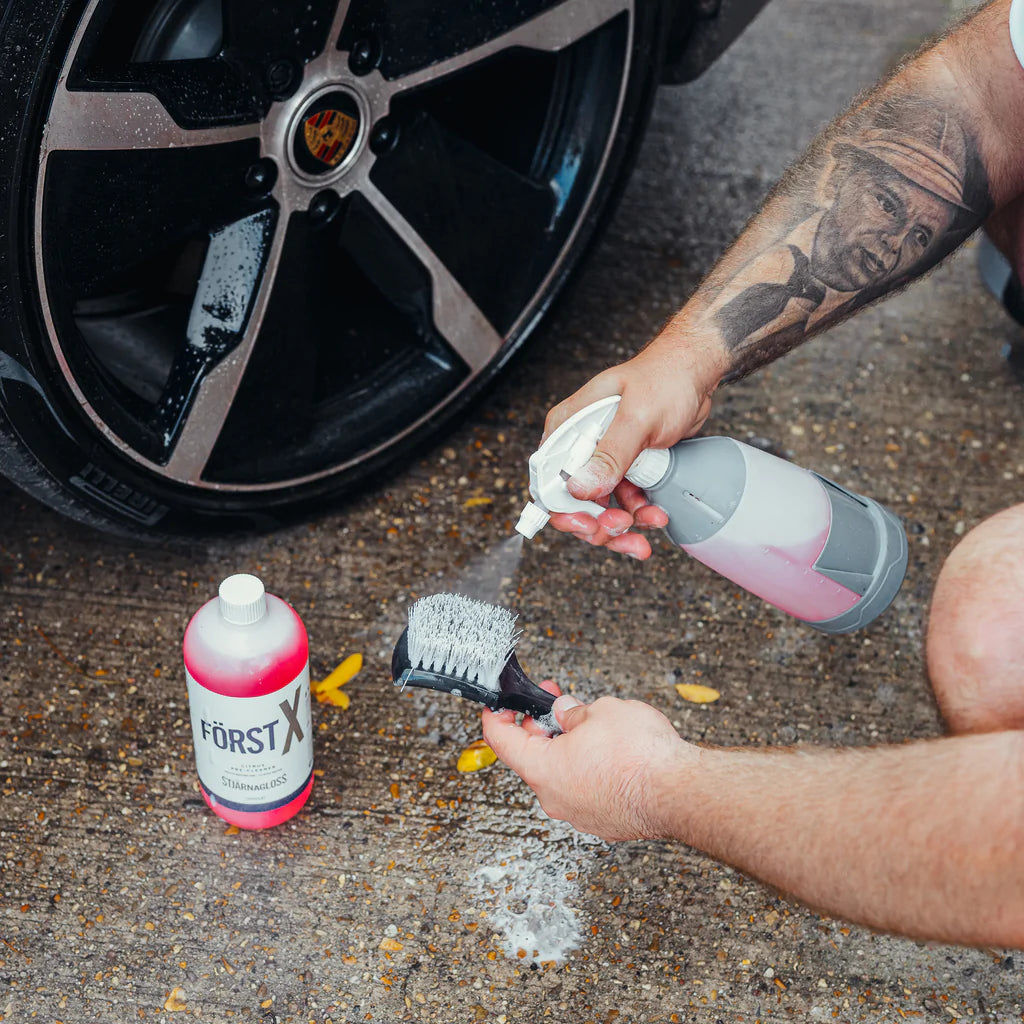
(898, 187)
(879, 225)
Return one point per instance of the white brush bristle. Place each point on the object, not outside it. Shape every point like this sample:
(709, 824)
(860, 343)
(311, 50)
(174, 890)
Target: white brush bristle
(461, 637)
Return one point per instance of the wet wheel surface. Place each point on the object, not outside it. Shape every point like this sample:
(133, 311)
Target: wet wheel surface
(256, 254)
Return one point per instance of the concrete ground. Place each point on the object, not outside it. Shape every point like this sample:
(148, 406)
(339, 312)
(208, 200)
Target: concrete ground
(407, 891)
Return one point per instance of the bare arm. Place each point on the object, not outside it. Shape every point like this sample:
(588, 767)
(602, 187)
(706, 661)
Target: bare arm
(884, 194)
(923, 839)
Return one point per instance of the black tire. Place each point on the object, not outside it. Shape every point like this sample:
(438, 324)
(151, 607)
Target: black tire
(403, 277)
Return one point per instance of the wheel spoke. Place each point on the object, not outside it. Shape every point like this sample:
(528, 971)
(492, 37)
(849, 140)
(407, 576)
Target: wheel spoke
(125, 120)
(227, 313)
(337, 24)
(457, 318)
(554, 30)
(484, 221)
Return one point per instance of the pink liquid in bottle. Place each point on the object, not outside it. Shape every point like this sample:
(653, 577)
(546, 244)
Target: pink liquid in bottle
(247, 668)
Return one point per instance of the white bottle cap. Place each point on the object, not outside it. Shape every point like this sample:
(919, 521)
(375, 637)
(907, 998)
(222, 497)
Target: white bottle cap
(649, 468)
(243, 600)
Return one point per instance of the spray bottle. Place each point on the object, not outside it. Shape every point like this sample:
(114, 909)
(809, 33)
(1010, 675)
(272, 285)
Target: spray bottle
(247, 668)
(815, 550)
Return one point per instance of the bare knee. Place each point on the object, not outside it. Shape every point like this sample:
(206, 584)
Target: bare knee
(975, 646)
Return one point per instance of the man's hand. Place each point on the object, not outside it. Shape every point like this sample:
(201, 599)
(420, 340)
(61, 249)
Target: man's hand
(609, 773)
(666, 396)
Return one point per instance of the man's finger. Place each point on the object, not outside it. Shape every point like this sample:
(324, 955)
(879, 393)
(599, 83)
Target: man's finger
(610, 529)
(574, 522)
(634, 501)
(651, 515)
(596, 478)
(632, 544)
(630, 497)
(513, 744)
(615, 521)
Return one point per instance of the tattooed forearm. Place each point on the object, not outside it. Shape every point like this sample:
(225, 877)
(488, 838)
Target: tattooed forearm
(888, 194)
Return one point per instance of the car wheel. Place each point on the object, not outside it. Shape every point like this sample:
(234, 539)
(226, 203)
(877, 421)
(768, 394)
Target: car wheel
(256, 254)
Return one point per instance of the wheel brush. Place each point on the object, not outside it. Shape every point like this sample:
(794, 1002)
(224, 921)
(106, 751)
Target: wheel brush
(466, 648)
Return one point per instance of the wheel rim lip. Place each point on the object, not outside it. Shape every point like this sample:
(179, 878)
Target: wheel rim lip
(274, 132)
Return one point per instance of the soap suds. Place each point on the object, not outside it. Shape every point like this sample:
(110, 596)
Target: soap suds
(549, 724)
(530, 893)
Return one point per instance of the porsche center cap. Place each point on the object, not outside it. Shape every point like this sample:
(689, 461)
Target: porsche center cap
(326, 133)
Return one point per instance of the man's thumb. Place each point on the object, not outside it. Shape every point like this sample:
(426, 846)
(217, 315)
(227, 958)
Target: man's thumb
(596, 478)
(569, 712)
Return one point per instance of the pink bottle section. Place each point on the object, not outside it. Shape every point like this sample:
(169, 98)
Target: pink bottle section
(248, 661)
(785, 578)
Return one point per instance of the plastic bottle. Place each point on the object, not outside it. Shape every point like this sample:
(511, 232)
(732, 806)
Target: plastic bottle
(817, 551)
(247, 668)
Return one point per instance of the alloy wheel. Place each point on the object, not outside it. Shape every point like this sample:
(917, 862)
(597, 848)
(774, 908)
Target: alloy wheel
(272, 244)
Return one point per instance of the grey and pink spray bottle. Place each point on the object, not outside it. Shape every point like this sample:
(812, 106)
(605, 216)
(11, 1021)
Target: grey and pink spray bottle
(815, 550)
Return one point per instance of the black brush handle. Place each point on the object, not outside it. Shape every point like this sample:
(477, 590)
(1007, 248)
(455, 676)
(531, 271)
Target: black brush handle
(400, 660)
(520, 693)
(451, 684)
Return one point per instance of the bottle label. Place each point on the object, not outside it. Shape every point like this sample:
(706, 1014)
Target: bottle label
(253, 753)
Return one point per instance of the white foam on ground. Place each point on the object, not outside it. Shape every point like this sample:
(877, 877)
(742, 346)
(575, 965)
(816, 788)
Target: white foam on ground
(530, 893)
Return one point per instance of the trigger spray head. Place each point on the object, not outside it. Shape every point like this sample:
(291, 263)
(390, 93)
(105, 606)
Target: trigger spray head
(564, 453)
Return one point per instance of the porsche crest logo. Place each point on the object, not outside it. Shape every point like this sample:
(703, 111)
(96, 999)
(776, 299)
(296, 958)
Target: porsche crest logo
(329, 135)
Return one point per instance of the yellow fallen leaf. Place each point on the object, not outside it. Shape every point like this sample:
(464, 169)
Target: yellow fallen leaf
(335, 697)
(391, 945)
(347, 670)
(476, 756)
(697, 694)
(328, 689)
(473, 502)
(175, 1002)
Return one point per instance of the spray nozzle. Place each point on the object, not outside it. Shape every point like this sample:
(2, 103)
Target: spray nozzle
(532, 520)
